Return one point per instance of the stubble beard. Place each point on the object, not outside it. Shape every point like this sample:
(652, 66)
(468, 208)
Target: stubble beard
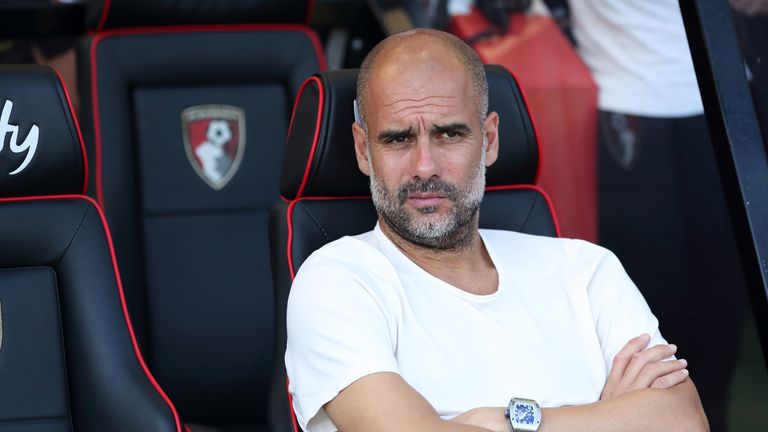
(452, 231)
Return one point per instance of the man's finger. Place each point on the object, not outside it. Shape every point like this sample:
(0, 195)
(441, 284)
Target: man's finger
(624, 356)
(640, 360)
(621, 360)
(670, 380)
(652, 372)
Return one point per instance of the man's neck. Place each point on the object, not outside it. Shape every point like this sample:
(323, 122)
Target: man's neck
(469, 268)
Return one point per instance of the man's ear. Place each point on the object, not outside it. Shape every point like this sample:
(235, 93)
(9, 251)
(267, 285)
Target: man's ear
(491, 127)
(361, 152)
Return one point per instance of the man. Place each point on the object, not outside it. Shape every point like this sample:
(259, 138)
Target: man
(429, 324)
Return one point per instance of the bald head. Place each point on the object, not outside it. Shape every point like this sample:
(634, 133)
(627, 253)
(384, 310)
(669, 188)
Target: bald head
(417, 51)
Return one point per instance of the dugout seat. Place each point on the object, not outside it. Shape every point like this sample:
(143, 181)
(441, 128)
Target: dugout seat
(185, 124)
(68, 356)
(326, 197)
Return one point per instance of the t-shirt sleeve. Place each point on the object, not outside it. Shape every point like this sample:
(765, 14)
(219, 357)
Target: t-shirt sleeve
(338, 332)
(619, 310)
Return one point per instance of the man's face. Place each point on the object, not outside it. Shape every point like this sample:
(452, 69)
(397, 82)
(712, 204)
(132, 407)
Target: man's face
(440, 231)
(425, 151)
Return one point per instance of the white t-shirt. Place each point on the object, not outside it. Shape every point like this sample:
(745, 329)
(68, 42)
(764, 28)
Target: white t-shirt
(562, 310)
(639, 57)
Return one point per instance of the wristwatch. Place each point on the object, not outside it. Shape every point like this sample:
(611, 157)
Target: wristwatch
(524, 415)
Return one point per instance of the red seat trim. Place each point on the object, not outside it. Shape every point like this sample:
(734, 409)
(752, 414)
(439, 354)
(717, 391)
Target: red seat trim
(318, 122)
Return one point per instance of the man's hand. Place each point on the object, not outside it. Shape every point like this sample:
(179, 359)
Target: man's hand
(635, 367)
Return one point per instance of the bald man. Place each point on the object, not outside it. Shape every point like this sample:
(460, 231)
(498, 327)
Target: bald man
(428, 323)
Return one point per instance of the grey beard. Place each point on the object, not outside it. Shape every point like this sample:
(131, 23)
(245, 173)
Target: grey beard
(454, 231)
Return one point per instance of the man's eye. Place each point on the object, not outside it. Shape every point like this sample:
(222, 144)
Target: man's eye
(450, 135)
(397, 140)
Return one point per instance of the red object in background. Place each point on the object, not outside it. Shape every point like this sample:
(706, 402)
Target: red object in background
(562, 98)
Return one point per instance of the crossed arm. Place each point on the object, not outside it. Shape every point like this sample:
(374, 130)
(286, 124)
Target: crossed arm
(643, 392)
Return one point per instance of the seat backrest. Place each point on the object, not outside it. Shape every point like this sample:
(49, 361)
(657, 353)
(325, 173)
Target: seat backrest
(68, 356)
(326, 197)
(188, 126)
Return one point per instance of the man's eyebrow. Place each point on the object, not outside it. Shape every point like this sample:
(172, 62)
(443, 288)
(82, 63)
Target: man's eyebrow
(456, 127)
(391, 134)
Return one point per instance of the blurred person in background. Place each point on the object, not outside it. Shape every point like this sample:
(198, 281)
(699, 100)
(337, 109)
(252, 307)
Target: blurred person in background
(56, 52)
(661, 204)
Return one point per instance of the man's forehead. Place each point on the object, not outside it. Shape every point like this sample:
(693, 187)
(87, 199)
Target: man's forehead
(431, 109)
(404, 96)
(417, 124)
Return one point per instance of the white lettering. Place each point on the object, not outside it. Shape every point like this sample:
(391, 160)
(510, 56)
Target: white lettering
(29, 144)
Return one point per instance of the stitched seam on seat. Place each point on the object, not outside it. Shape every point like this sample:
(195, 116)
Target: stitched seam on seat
(316, 223)
(530, 212)
(64, 346)
(72, 240)
(70, 127)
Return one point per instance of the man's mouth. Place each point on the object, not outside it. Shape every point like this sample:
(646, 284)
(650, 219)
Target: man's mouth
(424, 200)
(425, 194)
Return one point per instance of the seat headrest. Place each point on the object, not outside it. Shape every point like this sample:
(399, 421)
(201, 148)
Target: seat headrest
(41, 148)
(106, 14)
(320, 156)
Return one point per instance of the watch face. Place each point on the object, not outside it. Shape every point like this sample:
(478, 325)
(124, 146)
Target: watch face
(523, 413)
(525, 416)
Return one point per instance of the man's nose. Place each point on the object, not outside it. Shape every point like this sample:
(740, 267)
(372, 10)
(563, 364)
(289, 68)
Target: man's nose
(425, 159)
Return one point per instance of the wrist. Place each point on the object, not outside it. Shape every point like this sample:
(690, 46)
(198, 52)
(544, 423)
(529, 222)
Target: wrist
(493, 419)
(499, 421)
(490, 419)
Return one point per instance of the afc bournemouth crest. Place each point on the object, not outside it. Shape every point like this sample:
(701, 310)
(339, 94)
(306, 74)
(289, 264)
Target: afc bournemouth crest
(214, 139)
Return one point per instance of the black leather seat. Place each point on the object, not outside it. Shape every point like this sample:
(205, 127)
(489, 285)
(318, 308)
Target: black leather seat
(68, 356)
(326, 196)
(187, 125)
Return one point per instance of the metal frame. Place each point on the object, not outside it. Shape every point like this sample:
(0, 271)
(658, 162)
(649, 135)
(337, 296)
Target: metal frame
(735, 136)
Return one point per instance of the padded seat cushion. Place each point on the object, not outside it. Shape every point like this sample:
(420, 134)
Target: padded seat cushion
(68, 360)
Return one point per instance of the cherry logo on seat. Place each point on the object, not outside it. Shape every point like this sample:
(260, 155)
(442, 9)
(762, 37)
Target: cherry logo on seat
(214, 140)
(29, 144)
